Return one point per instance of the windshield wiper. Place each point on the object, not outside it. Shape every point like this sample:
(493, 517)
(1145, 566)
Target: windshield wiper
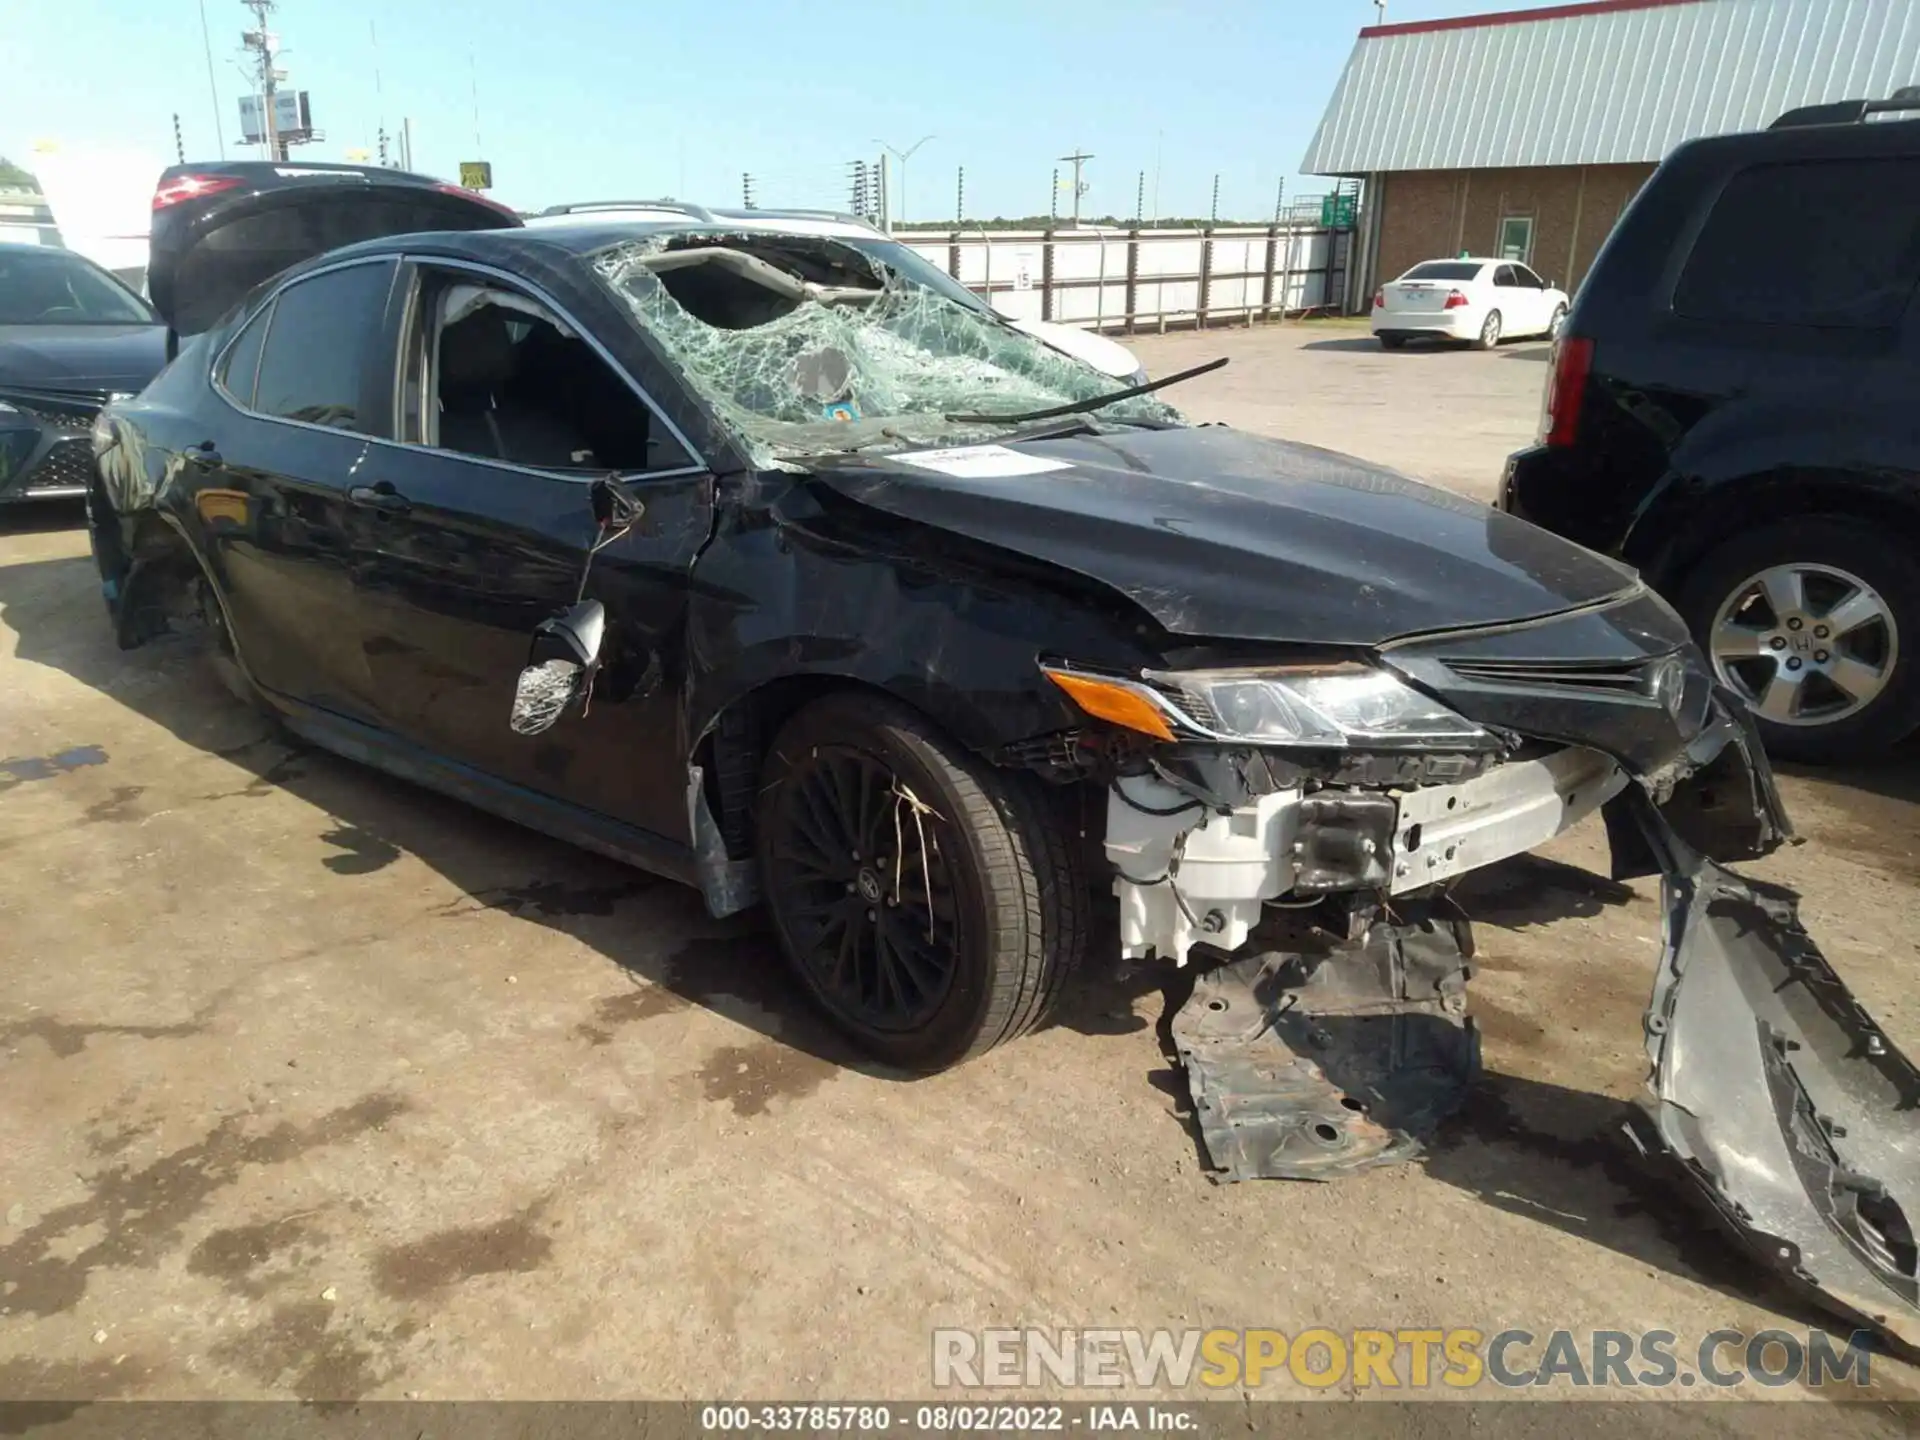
(1079, 407)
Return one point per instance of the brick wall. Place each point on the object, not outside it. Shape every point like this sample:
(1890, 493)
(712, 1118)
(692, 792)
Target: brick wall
(1432, 214)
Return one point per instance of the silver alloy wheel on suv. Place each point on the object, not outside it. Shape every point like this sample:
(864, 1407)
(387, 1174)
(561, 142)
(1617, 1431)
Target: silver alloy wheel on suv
(1805, 644)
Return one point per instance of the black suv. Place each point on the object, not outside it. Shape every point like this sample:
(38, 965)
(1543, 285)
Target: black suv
(1734, 408)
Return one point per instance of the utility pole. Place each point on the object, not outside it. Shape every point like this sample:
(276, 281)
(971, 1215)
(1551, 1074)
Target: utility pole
(379, 94)
(1053, 204)
(959, 194)
(179, 146)
(1140, 199)
(213, 91)
(260, 42)
(885, 198)
(473, 81)
(406, 142)
(861, 198)
(746, 191)
(1159, 149)
(1279, 199)
(1214, 214)
(1077, 159)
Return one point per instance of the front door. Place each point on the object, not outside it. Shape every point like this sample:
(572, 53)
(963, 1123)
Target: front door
(479, 525)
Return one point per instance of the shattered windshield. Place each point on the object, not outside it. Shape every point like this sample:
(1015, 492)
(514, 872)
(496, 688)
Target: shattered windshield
(805, 345)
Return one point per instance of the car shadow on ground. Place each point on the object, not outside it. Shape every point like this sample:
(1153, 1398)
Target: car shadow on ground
(1528, 349)
(368, 820)
(1562, 1157)
(41, 517)
(1363, 343)
(1893, 776)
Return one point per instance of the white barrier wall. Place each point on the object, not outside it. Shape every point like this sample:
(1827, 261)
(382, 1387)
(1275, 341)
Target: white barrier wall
(1123, 280)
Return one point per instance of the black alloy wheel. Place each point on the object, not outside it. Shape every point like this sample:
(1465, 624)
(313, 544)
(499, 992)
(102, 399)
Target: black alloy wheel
(865, 889)
(932, 904)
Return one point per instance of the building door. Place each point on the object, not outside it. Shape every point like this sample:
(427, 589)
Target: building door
(1516, 238)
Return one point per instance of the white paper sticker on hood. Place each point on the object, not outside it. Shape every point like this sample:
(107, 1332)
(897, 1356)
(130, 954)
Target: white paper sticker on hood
(982, 462)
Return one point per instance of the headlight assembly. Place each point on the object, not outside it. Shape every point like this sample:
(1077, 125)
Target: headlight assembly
(1321, 706)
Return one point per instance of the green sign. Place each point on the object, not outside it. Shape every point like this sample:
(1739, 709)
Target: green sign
(1336, 212)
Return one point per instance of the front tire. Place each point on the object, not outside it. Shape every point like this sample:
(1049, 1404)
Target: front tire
(1815, 623)
(931, 904)
(1489, 332)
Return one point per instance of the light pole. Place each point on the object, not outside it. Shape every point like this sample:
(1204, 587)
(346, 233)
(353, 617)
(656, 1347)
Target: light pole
(903, 156)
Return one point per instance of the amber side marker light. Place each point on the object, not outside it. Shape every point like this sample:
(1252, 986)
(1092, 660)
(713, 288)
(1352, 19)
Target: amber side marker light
(1112, 701)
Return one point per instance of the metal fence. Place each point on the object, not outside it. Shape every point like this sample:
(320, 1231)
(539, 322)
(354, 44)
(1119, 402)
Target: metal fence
(1120, 280)
(1127, 280)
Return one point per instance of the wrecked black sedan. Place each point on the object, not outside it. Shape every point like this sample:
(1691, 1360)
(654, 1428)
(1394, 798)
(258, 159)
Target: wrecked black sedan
(757, 562)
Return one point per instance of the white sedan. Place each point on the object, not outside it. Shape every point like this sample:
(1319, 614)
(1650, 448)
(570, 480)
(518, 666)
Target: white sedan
(1477, 300)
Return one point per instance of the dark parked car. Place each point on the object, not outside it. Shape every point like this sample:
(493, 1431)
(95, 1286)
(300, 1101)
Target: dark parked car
(72, 337)
(1732, 410)
(749, 559)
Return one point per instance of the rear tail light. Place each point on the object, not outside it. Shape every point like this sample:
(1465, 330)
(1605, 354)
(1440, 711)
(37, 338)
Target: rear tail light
(447, 188)
(1456, 300)
(1379, 299)
(175, 188)
(1566, 387)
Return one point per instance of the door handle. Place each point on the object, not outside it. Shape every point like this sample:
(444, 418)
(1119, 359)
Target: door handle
(380, 496)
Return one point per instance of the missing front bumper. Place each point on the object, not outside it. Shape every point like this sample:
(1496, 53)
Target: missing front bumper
(1773, 1095)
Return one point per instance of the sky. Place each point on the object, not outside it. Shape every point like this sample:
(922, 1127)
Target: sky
(603, 99)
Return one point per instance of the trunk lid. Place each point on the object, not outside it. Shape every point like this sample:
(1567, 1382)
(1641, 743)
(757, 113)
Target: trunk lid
(221, 229)
(1224, 535)
(1418, 297)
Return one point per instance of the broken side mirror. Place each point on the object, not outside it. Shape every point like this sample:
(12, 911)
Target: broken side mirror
(560, 664)
(615, 506)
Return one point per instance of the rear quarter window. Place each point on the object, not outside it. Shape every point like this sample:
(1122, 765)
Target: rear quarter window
(1831, 244)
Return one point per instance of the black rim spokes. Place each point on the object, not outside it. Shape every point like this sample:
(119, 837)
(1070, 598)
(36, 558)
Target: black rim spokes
(865, 888)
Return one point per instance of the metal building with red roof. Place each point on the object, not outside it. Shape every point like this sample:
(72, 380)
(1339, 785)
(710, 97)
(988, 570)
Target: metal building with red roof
(1526, 133)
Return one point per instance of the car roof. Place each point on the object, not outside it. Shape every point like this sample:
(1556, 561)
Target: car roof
(829, 223)
(579, 235)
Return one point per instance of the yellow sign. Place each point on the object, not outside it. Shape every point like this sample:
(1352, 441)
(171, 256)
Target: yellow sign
(476, 174)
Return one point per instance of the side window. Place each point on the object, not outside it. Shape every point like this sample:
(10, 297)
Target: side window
(493, 373)
(1833, 243)
(242, 363)
(1525, 277)
(313, 366)
(1503, 277)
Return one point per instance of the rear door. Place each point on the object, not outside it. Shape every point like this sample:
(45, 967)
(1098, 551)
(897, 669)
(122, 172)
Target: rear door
(478, 525)
(304, 387)
(1521, 299)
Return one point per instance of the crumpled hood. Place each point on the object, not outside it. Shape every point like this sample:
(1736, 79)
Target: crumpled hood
(1225, 535)
(81, 357)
